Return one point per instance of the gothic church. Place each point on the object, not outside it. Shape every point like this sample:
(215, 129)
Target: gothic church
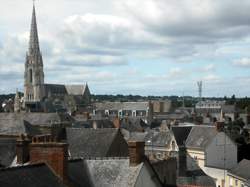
(39, 96)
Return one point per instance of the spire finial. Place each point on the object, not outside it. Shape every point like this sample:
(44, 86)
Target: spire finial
(34, 41)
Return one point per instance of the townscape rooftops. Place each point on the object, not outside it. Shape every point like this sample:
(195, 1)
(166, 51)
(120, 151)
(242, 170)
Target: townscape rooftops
(86, 142)
(38, 175)
(242, 169)
(133, 124)
(200, 136)
(122, 106)
(16, 123)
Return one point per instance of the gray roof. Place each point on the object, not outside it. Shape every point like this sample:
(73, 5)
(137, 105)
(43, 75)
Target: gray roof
(122, 106)
(7, 151)
(54, 89)
(133, 124)
(38, 175)
(161, 139)
(242, 169)
(65, 89)
(200, 136)
(86, 142)
(114, 172)
(14, 123)
(76, 89)
(78, 173)
(11, 123)
(228, 108)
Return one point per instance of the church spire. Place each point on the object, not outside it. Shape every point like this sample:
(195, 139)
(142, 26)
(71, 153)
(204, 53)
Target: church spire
(34, 41)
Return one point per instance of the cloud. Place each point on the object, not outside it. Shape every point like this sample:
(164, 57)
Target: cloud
(211, 78)
(243, 62)
(208, 67)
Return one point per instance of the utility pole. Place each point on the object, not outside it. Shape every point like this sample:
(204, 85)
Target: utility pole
(199, 84)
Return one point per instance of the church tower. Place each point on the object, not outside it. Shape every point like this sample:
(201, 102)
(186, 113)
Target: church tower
(33, 75)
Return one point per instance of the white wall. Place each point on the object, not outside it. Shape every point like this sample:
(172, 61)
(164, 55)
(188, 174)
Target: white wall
(221, 147)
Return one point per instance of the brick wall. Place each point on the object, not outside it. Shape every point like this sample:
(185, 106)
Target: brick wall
(53, 153)
(136, 152)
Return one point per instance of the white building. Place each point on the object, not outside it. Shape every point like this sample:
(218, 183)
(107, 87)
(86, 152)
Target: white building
(211, 151)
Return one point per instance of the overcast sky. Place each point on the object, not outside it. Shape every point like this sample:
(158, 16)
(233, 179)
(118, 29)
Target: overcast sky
(146, 47)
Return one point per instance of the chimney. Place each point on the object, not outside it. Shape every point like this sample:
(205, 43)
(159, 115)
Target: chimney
(220, 123)
(136, 152)
(117, 122)
(22, 149)
(44, 149)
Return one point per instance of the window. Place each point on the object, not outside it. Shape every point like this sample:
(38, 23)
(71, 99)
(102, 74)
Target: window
(30, 75)
(173, 145)
(236, 182)
(230, 181)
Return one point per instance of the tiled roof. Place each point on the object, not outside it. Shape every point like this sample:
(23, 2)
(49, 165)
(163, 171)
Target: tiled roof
(86, 142)
(242, 169)
(122, 106)
(200, 136)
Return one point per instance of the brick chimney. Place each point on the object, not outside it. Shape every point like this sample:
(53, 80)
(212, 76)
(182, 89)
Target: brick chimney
(136, 152)
(22, 149)
(117, 122)
(44, 149)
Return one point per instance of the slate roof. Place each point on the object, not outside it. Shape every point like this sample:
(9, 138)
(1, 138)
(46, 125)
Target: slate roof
(7, 151)
(103, 123)
(181, 134)
(242, 169)
(16, 123)
(228, 108)
(200, 136)
(115, 172)
(122, 106)
(76, 89)
(54, 89)
(86, 142)
(38, 175)
(11, 123)
(78, 173)
(161, 139)
(133, 124)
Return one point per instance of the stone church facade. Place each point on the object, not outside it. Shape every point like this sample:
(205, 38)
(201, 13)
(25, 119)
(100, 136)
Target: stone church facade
(39, 96)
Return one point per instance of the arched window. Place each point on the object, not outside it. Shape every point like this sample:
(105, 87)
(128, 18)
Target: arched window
(173, 145)
(30, 75)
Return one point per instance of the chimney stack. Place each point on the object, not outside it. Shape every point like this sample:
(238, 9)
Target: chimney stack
(44, 149)
(22, 149)
(136, 152)
(117, 122)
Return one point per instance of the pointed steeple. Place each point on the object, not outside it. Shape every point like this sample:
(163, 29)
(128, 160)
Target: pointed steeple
(34, 41)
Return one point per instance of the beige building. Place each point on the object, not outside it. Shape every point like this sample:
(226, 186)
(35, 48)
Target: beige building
(211, 151)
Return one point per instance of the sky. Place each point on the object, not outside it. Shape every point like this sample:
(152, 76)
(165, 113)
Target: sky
(145, 47)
